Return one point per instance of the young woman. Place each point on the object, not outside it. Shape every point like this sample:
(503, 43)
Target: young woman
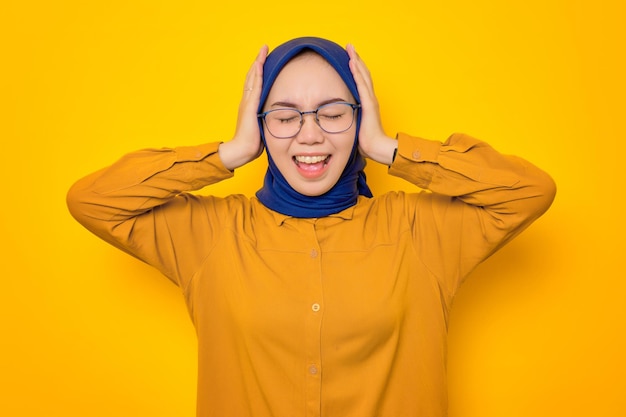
(315, 298)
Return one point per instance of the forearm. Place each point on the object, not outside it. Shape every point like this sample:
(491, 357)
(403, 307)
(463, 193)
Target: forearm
(507, 191)
(142, 180)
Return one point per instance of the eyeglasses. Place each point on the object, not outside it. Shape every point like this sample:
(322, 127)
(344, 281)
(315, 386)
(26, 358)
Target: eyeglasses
(331, 118)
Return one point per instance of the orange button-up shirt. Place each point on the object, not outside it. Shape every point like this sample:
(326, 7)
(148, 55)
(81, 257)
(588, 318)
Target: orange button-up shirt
(341, 316)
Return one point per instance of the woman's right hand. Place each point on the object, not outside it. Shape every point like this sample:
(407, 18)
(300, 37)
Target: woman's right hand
(246, 144)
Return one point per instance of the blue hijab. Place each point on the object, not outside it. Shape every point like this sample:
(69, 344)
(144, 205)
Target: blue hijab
(276, 193)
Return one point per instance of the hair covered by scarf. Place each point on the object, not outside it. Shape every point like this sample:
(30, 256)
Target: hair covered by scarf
(276, 192)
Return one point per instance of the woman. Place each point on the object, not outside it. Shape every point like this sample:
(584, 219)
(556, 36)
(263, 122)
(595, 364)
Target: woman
(315, 298)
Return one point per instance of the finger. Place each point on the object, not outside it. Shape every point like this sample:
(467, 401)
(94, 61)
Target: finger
(257, 82)
(360, 72)
(363, 79)
(254, 77)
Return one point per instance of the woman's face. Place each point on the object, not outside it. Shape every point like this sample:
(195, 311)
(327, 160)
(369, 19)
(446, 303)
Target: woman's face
(313, 160)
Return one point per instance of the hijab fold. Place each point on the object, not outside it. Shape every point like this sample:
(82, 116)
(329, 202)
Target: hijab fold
(276, 193)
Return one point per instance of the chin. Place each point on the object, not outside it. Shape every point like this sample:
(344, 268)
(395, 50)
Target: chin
(312, 190)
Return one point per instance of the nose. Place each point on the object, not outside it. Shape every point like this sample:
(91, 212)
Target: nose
(310, 132)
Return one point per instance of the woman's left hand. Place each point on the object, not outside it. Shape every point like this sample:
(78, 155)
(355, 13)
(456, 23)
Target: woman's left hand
(373, 142)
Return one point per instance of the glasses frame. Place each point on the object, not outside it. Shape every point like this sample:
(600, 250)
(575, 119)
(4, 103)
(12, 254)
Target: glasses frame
(303, 113)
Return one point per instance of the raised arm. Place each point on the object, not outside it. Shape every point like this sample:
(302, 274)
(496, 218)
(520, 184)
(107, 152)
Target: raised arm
(124, 203)
(480, 198)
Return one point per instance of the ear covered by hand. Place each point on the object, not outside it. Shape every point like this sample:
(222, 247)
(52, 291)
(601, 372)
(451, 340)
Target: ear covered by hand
(373, 142)
(246, 144)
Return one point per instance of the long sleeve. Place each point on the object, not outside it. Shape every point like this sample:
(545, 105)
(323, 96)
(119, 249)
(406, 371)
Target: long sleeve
(120, 204)
(480, 200)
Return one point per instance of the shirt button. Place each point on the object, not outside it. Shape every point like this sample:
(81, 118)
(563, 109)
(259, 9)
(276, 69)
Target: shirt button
(417, 154)
(313, 253)
(313, 369)
(315, 307)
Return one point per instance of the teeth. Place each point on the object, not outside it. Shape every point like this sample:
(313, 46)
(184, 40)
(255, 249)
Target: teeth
(310, 159)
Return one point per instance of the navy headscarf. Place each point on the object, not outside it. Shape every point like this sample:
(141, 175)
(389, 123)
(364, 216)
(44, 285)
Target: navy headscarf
(276, 193)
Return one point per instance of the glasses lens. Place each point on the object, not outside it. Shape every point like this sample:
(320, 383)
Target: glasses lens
(332, 118)
(283, 123)
(335, 117)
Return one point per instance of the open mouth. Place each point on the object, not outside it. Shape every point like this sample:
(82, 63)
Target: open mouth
(311, 166)
(311, 160)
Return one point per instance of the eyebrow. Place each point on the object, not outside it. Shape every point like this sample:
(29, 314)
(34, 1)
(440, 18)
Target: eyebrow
(292, 105)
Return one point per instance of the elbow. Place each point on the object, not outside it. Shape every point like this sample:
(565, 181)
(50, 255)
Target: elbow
(540, 194)
(75, 201)
(537, 193)
(546, 192)
(81, 202)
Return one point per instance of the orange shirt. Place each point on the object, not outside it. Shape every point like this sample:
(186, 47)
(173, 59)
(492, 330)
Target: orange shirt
(342, 316)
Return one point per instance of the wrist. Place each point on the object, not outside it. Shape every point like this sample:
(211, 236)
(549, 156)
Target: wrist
(235, 154)
(382, 150)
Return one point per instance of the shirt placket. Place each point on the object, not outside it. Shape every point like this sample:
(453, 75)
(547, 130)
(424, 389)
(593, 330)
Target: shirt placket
(315, 310)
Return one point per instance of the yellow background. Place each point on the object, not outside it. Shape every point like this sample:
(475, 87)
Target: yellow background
(538, 330)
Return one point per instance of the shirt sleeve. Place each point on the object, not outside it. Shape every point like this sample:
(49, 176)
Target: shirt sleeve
(130, 204)
(479, 200)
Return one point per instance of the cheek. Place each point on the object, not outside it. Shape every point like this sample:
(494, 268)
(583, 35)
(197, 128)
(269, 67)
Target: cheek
(345, 147)
(276, 148)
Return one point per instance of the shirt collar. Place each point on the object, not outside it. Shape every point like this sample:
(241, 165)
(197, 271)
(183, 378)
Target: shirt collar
(280, 218)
